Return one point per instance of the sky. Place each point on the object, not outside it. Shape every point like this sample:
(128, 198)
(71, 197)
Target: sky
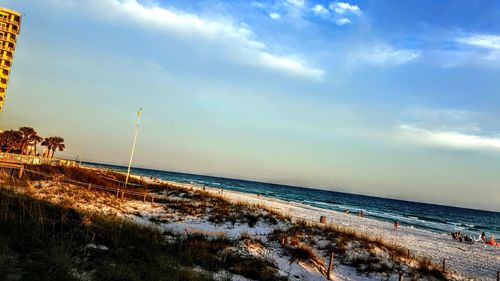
(390, 98)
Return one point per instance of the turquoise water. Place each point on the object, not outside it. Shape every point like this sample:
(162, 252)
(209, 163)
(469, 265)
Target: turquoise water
(420, 215)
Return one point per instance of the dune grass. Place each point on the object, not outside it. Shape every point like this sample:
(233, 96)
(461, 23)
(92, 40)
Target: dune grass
(43, 241)
(133, 248)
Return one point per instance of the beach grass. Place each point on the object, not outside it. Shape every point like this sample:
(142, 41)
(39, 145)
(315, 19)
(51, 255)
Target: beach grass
(58, 239)
(43, 241)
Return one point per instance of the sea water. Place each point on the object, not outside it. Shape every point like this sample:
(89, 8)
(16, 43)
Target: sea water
(438, 218)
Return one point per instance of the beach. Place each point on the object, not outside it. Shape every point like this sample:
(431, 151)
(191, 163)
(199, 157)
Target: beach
(256, 224)
(478, 261)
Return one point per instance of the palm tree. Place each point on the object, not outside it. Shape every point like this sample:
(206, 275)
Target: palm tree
(35, 140)
(57, 144)
(29, 136)
(11, 140)
(53, 144)
(48, 143)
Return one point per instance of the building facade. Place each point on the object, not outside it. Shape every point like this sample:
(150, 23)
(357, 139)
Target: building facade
(10, 25)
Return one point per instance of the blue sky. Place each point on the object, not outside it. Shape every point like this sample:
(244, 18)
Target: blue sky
(391, 98)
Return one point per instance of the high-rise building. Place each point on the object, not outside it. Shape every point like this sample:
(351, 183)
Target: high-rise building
(10, 25)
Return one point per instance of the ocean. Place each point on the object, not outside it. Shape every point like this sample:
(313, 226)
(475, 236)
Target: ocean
(438, 218)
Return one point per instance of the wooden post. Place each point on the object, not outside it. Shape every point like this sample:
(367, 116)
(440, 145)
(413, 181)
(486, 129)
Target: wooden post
(444, 265)
(21, 170)
(152, 199)
(144, 199)
(408, 254)
(330, 265)
(498, 275)
(117, 192)
(400, 277)
(123, 194)
(89, 187)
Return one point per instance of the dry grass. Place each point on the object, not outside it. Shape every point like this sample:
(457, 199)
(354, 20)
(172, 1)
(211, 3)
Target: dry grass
(368, 254)
(304, 240)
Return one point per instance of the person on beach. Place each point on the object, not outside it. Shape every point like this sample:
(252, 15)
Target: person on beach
(493, 242)
(483, 237)
(396, 225)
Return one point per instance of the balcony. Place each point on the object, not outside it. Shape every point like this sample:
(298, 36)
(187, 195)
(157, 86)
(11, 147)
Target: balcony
(7, 39)
(6, 29)
(5, 19)
(6, 48)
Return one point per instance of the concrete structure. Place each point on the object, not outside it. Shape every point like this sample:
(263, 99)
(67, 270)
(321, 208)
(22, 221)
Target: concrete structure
(10, 25)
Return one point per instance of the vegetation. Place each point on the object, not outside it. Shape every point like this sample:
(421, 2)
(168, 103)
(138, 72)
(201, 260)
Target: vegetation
(69, 244)
(366, 253)
(43, 241)
(53, 144)
(25, 141)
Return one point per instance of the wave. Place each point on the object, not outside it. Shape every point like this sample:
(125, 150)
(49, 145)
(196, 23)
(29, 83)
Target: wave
(426, 216)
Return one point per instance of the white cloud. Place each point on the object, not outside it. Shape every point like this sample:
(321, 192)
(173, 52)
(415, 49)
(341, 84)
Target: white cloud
(343, 8)
(296, 3)
(385, 55)
(483, 49)
(449, 139)
(287, 64)
(343, 21)
(320, 10)
(486, 41)
(239, 38)
(275, 16)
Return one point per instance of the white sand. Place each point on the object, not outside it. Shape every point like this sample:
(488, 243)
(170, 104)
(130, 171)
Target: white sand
(477, 262)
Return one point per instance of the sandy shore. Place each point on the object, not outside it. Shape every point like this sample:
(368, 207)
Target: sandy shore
(478, 261)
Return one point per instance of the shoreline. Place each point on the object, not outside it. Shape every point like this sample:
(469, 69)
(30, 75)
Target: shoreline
(477, 261)
(420, 220)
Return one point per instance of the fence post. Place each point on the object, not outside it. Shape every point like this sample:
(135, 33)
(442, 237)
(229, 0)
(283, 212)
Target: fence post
(444, 265)
(123, 193)
(330, 264)
(21, 170)
(408, 254)
(498, 275)
(152, 199)
(400, 276)
(144, 199)
(117, 192)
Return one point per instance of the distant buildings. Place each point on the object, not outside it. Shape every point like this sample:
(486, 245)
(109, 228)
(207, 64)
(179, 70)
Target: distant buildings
(10, 25)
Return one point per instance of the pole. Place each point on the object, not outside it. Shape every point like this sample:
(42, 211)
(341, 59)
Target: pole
(133, 146)
(330, 264)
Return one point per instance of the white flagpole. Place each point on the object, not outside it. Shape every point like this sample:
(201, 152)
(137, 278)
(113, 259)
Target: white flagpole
(133, 146)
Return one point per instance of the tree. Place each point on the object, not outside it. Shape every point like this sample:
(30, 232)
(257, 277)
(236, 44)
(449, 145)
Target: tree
(53, 144)
(47, 142)
(58, 144)
(29, 138)
(35, 141)
(11, 140)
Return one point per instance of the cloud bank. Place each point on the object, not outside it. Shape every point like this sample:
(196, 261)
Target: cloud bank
(386, 55)
(239, 38)
(450, 139)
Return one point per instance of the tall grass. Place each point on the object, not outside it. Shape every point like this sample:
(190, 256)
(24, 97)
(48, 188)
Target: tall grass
(43, 241)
